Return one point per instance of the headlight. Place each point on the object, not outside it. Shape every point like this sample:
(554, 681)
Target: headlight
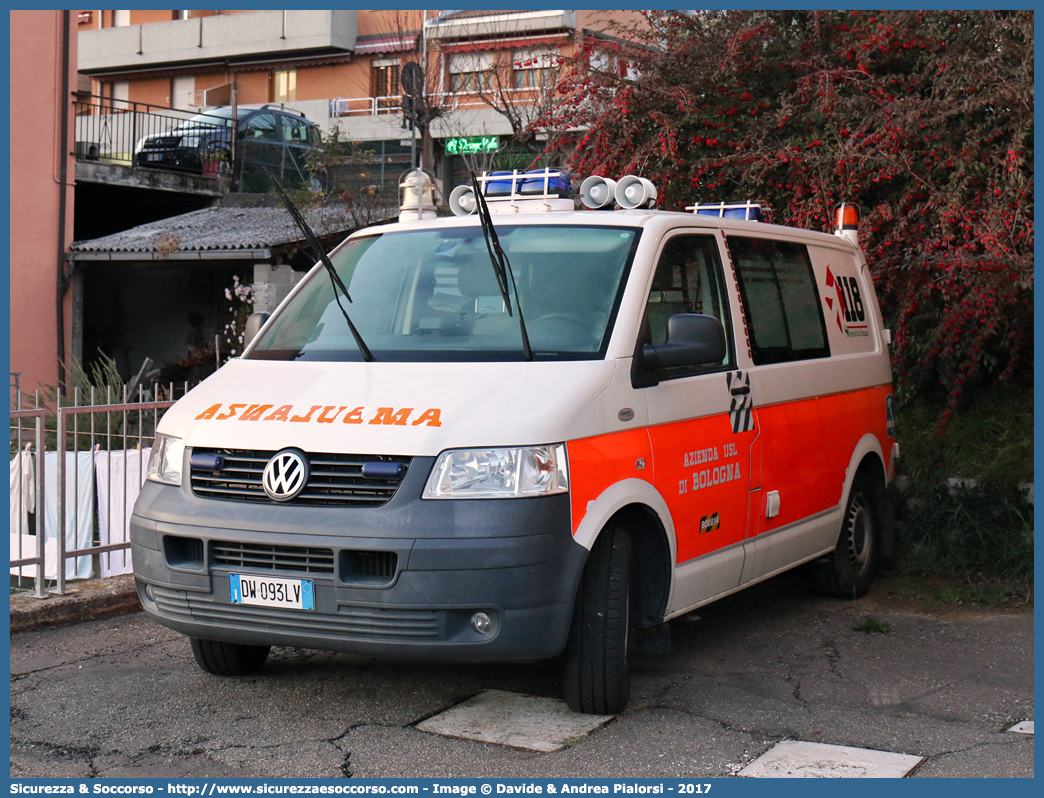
(499, 473)
(165, 460)
(189, 141)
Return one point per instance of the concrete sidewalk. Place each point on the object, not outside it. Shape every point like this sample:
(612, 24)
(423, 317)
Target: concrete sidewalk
(85, 601)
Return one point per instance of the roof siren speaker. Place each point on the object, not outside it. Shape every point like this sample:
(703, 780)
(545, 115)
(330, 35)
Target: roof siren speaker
(635, 192)
(597, 192)
(462, 201)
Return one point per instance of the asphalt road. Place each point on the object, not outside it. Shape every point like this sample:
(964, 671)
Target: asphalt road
(122, 697)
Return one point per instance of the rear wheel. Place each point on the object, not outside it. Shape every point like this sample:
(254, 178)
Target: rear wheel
(595, 678)
(848, 570)
(228, 659)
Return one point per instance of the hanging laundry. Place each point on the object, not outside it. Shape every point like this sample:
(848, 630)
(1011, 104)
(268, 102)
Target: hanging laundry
(23, 489)
(23, 502)
(119, 475)
(79, 511)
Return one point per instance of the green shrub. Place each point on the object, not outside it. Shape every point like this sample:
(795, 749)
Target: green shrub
(963, 509)
(989, 438)
(966, 532)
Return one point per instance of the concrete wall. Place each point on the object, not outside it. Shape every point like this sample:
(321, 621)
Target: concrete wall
(389, 23)
(149, 16)
(36, 158)
(253, 87)
(153, 92)
(223, 36)
(608, 21)
(272, 283)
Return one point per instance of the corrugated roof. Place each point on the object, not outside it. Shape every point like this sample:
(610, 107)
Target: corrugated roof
(219, 229)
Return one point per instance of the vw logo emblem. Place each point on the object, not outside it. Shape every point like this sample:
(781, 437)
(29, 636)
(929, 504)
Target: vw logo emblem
(286, 475)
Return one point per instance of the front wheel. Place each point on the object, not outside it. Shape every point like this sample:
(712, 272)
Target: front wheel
(848, 570)
(228, 659)
(595, 679)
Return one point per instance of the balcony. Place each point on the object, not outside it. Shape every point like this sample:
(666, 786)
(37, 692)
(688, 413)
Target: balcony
(458, 25)
(232, 36)
(107, 132)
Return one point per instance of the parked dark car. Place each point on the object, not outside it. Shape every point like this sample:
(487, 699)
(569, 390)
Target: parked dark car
(267, 136)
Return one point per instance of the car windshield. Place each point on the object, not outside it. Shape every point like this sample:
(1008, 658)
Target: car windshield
(219, 117)
(432, 295)
(224, 113)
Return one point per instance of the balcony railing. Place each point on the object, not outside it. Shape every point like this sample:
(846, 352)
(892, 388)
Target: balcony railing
(365, 106)
(108, 130)
(372, 106)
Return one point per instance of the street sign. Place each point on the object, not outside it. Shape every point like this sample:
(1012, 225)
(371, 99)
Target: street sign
(472, 145)
(412, 78)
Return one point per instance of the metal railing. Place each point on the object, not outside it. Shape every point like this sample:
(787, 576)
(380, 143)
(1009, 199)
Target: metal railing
(392, 104)
(108, 130)
(27, 431)
(365, 106)
(75, 472)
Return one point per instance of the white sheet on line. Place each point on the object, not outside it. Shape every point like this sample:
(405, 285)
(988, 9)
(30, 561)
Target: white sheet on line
(23, 494)
(23, 502)
(79, 517)
(120, 476)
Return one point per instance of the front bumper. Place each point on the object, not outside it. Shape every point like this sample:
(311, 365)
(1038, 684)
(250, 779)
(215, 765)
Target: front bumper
(439, 563)
(172, 158)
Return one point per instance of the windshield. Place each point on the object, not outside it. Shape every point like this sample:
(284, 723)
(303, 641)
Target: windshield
(431, 295)
(224, 113)
(219, 117)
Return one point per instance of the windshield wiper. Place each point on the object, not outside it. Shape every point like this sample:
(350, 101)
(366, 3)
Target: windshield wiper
(501, 264)
(320, 254)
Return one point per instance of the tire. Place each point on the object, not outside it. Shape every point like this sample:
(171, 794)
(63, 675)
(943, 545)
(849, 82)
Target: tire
(849, 569)
(228, 659)
(595, 679)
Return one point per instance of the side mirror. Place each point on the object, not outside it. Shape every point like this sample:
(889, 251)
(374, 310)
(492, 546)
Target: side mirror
(693, 339)
(254, 323)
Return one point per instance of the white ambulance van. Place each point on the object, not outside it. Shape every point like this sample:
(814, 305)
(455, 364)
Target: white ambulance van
(531, 430)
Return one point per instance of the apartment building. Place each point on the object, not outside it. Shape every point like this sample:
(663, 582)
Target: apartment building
(477, 80)
(481, 77)
(43, 73)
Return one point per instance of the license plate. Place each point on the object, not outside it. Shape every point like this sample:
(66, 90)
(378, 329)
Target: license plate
(271, 591)
(154, 156)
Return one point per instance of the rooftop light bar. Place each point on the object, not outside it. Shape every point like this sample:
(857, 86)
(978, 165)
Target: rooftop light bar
(528, 185)
(748, 211)
(515, 192)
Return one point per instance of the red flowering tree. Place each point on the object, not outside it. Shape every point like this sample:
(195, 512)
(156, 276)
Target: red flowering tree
(922, 118)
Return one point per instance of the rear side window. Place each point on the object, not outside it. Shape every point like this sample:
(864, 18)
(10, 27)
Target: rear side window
(263, 126)
(780, 300)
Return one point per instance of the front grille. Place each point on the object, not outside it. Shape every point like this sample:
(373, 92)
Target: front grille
(382, 622)
(368, 567)
(236, 555)
(334, 479)
(373, 564)
(352, 622)
(161, 143)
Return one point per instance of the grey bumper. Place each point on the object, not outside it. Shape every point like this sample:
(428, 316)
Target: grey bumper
(440, 563)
